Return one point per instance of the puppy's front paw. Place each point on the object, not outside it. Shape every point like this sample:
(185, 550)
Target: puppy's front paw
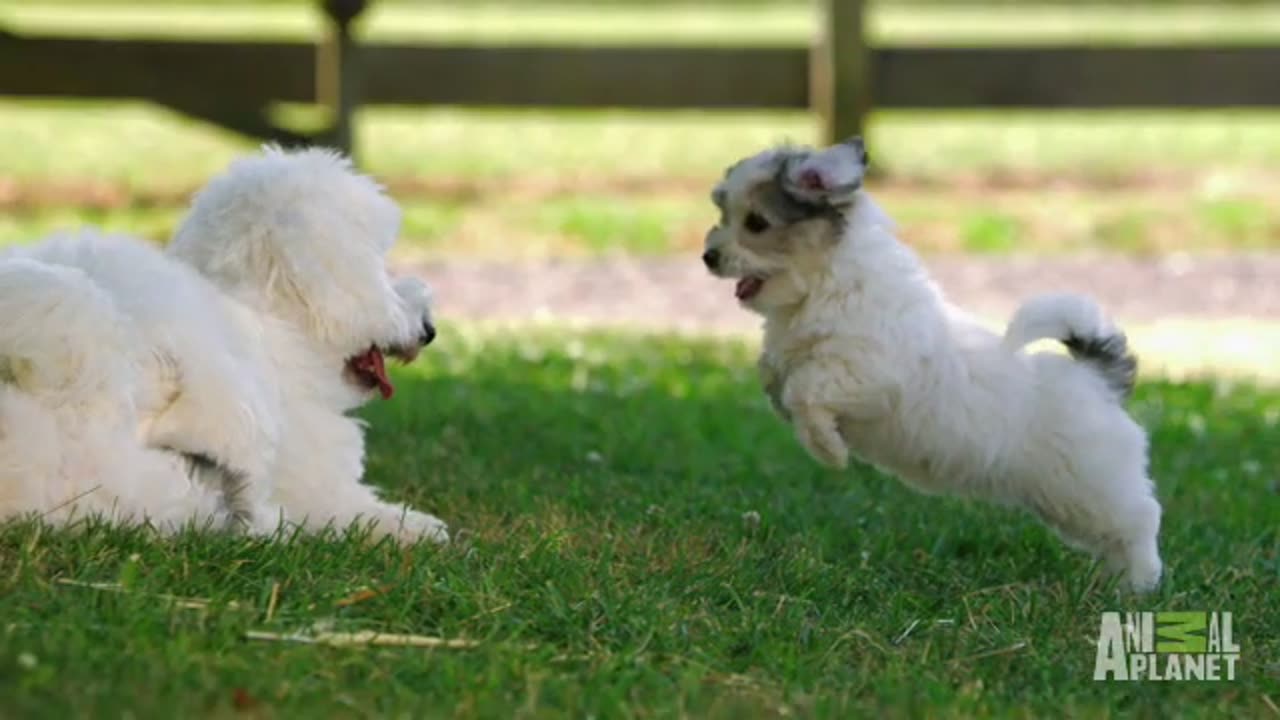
(831, 456)
(819, 435)
(414, 526)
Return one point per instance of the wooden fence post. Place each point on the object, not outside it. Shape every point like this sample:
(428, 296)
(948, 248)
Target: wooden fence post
(841, 70)
(338, 75)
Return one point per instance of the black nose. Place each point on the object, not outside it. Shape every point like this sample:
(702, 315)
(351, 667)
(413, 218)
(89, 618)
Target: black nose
(711, 258)
(428, 333)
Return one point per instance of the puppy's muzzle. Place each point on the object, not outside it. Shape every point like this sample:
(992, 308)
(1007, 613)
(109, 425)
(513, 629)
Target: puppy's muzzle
(711, 259)
(427, 334)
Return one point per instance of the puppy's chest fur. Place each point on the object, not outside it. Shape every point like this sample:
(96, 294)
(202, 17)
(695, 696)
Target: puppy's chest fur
(870, 424)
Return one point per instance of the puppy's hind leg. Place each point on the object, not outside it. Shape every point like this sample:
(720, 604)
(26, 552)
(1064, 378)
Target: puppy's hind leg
(1127, 514)
(1135, 551)
(1120, 526)
(223, 421)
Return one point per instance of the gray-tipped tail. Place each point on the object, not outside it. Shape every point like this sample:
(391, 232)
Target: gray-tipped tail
(1077, 322)
(1110, 356)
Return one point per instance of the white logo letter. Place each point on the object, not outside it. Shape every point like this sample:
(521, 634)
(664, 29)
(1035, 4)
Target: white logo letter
(1110, 658)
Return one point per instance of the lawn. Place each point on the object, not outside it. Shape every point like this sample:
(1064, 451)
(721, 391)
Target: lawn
(543, 182)
(560, 182)
(638, 536)
(586, 182)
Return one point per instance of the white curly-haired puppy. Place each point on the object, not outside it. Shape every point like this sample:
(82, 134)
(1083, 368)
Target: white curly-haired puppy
(68, 419)
(862, 354)
(267, 319)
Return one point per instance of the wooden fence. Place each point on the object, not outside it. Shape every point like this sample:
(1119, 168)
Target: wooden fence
(234, 84)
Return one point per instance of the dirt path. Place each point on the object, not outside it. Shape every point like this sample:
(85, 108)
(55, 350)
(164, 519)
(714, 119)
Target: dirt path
(677, 294)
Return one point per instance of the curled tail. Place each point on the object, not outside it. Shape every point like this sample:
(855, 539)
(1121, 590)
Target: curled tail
(1078, 323)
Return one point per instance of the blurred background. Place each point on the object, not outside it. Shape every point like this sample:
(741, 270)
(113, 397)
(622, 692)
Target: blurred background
(553, 159)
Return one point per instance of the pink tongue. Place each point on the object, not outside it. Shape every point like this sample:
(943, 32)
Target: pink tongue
(747, 287)
(374, 364)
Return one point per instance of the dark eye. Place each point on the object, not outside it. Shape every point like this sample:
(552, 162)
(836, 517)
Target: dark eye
(755, 223)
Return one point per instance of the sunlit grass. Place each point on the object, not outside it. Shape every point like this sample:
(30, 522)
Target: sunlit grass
(537, 182)
(146, 147)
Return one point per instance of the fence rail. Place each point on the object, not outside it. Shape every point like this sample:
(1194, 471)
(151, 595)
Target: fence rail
(234, 83)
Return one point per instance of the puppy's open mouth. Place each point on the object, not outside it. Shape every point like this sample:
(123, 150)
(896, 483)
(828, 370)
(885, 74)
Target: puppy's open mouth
(748, 287)
(368, 370)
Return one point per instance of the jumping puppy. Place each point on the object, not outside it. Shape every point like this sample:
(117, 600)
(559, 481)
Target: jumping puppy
(863, 355)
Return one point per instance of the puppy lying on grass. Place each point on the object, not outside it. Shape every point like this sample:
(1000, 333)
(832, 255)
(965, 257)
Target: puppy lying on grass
(211, 383)
(862, 354)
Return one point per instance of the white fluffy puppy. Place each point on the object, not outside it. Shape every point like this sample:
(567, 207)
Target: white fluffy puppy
(265, 322)
(862, 354)
(68, 442)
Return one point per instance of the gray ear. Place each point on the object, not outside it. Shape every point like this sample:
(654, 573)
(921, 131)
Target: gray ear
(831, 176)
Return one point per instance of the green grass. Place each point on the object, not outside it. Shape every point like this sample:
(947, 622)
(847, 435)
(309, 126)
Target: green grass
(986, 232)
(557, 182)
(638, 22)
(145, 148)
(599, 484)
(485, 182)
(611, 223)
(642, 224)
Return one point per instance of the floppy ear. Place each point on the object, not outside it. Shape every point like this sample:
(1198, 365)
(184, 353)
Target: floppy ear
(831, 176)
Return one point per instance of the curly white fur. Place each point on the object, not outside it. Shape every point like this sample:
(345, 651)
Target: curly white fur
(862, 355)
(68, 444)
(230, 354)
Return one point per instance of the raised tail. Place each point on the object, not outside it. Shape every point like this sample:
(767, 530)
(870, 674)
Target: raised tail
(1079, 324)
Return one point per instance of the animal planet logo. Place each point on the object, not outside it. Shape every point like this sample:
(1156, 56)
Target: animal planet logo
(1166, 646)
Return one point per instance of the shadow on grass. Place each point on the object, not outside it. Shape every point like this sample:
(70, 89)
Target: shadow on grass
(598, 438)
